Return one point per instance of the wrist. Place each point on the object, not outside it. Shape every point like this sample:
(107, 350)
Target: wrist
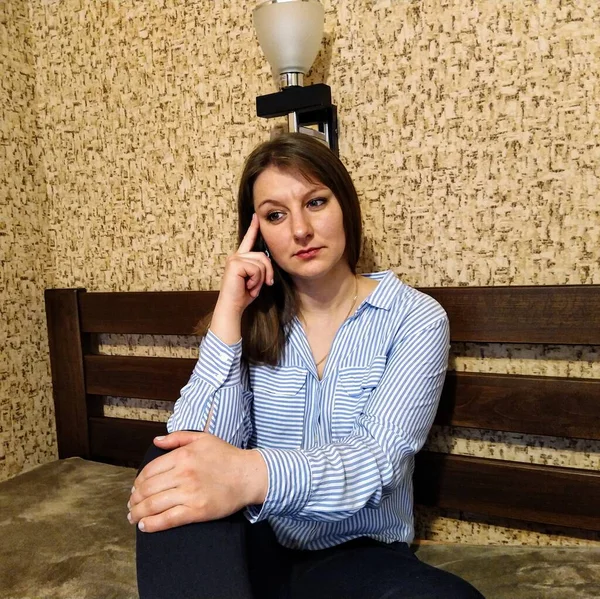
(255, 478)
(226, 323)
(227, 307)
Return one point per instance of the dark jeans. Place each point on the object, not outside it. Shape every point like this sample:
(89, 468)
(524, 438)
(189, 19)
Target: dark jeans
(233, 559)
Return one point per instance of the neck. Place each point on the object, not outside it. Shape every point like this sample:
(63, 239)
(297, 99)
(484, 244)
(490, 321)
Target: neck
(329, 293)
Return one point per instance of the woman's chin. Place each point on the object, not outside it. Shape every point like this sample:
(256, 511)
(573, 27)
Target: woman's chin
(315, 269)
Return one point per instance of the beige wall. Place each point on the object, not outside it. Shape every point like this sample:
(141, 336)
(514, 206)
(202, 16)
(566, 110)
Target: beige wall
(26, 413)
(470, 128)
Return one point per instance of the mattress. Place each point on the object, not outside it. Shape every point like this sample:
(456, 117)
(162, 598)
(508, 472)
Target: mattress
(65, 536)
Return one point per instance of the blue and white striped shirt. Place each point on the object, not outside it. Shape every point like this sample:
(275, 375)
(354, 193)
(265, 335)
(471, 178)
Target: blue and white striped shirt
(339, 451)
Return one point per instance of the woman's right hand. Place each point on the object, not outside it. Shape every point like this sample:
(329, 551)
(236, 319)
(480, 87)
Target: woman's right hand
(245, 274)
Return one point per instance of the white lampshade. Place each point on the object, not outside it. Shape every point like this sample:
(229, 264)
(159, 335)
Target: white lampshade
(289, 33)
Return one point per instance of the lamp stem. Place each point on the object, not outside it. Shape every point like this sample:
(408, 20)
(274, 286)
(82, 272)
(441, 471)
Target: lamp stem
(289, 79)
(293, 122)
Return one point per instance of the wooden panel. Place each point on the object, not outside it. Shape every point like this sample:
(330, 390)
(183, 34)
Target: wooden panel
(559, 407)
(543, 494)
(66, 361)
(552, 406)
(121, 440)
(542, 314)
(568, 315)
(136, 376)
(145, 312)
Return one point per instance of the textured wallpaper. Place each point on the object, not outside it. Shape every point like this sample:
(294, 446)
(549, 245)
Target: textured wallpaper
(470, 128)
(26, 412)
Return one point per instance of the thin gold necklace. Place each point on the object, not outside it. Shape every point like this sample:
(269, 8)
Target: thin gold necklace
(345, 317)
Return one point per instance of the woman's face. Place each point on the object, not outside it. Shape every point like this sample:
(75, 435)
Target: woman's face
(301, 223)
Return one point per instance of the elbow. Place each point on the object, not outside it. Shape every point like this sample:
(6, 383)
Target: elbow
(394, 462)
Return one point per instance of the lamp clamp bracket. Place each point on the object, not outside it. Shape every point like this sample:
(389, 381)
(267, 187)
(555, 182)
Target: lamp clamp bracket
(305, 107)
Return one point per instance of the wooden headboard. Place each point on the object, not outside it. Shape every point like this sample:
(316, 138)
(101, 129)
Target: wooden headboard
(558, 407)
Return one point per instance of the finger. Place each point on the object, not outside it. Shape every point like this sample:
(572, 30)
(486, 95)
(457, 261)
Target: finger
(256, 273)
(176, 516)
(177, 439)
(159, 475)
(152, 486)
(270, 272)
(266, 261)
(250, 236)
(157, 466)
(166, 462)
(155, 504)
(250, 269)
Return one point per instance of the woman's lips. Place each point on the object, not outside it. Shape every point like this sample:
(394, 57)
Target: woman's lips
(307, 254)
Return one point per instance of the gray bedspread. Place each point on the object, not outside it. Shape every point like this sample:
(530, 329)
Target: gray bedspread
(65, 536)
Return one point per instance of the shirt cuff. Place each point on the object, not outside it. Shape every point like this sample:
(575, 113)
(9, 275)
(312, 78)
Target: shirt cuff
(289, 484)
(216, 361)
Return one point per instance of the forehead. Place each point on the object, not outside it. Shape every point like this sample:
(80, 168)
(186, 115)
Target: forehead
(281, 184)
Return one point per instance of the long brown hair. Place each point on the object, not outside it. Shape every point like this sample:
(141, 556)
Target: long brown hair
(265, 322)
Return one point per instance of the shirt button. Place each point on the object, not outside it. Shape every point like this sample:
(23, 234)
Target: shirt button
(222, 356)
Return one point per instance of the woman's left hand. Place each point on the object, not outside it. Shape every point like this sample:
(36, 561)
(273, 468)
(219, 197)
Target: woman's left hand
(203, 478)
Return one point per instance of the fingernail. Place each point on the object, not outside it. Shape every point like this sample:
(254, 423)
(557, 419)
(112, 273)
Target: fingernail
(160, 438)
(272, 281)
(129, 518)
(132, 490)
(129, 505)
(141, 526)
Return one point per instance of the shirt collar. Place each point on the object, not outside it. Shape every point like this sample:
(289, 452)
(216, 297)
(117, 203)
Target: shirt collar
(383, 295)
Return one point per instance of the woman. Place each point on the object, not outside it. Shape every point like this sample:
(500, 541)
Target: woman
(287, 468)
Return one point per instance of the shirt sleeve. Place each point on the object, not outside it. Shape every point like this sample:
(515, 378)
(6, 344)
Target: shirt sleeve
(218, 383)
(334, 481)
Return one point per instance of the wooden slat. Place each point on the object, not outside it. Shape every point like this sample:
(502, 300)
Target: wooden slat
(559, 407)
(122, 440)
(145, 312)
(522, 314)
(66, 361)
(544, 494)
(137, 376)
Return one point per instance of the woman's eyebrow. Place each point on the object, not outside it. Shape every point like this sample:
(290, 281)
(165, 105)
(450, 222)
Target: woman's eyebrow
(304, 195)
(316, 188)
(275, 202)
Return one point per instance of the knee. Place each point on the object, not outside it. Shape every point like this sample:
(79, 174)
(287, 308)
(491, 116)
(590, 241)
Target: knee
(454, 587)
(467, 591)
(152, 453)
(462, 592)
(442, 585)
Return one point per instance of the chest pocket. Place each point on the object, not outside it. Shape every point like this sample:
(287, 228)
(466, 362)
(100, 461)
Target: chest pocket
(278, 407)
(355, 386)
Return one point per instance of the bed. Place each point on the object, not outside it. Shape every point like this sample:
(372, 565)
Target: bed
(64, 527)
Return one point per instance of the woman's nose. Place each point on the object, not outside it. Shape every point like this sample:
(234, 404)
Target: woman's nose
(302, 228)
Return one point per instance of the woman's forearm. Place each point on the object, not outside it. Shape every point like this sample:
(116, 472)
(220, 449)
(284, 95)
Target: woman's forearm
(226, 323)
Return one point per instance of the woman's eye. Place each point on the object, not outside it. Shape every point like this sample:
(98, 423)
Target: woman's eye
(273, 216)
(316, 202)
